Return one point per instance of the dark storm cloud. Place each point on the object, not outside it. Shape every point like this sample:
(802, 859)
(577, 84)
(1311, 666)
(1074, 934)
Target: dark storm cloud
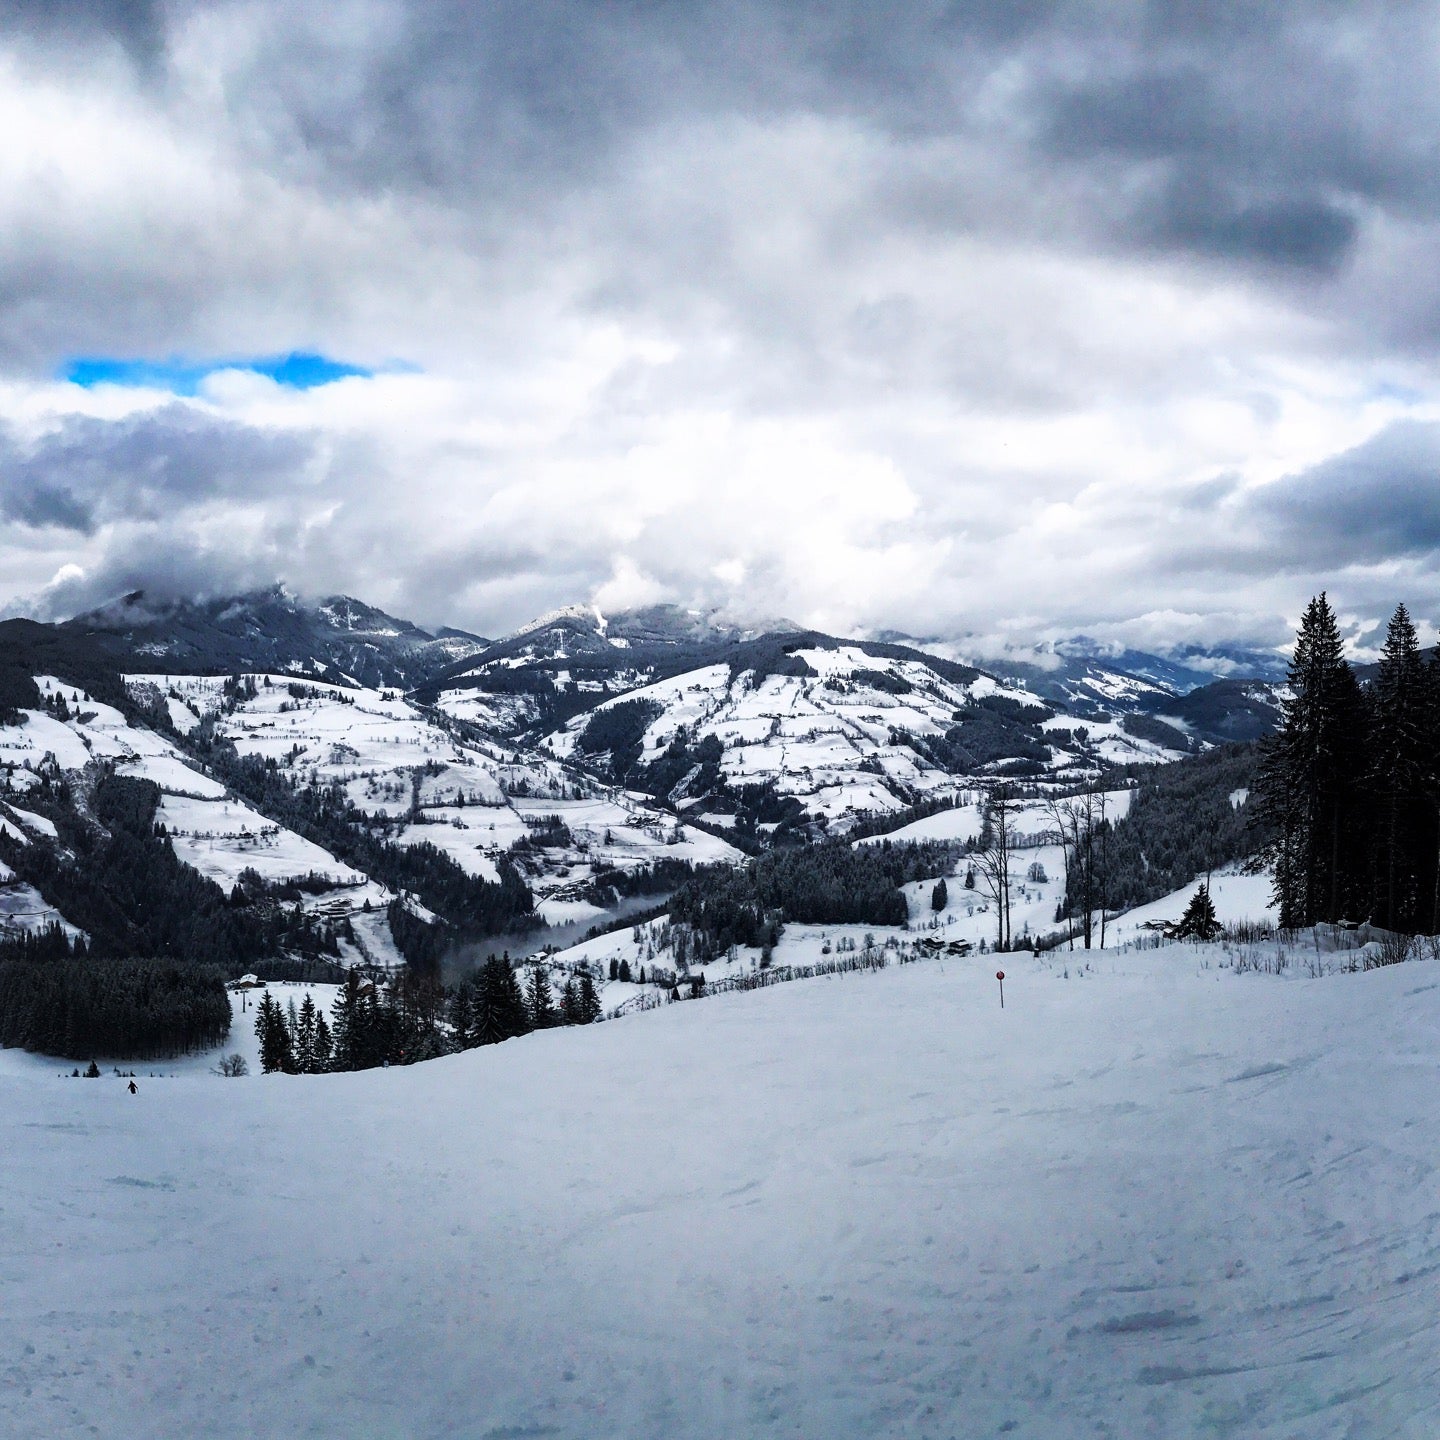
(451, 96)
(87, 471)
(44, 506)
(1378, 501)
(1302, 231)
(136, 25)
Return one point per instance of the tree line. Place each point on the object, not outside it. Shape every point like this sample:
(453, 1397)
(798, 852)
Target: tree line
(1350, 782)
(468, 906)
(56, 998)
(413, 1019)
(1184, 819)
(828, 883)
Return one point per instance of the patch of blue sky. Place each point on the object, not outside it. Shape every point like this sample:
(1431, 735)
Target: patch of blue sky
(298, 370)
(1391, 390)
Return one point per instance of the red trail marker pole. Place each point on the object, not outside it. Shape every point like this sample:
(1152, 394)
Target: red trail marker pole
(1000, 976)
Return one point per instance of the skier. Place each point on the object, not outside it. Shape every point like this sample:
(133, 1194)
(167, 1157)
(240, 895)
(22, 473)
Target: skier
(134, 1088)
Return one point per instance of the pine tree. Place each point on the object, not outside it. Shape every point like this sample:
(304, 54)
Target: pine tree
(462, 1014)
(590, 1009)
(1199, 921)
(1398, 771)
(347, 1040)
(276, 1045)
(1308, 788)
(305, 1036)
(324, 1046)
(500, 1011)
(538, 1000)
(939, 896)
(569, 1003)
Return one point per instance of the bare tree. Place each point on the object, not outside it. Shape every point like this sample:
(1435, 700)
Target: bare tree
(1080, 820)
(992, 861)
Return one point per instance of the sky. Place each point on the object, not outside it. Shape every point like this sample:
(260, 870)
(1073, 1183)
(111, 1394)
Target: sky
(999, 320)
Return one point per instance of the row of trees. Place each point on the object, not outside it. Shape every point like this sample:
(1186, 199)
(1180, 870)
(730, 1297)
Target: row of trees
(1350, 783)
(468, 906)
(1182, 820)
(829, 883)
(415, 1019)
(56, 1001)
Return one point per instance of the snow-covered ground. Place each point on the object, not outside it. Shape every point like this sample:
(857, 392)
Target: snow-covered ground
(829, 737)
(1237, 898)
(472, 798)
(1028, 818)
(1154, 1199)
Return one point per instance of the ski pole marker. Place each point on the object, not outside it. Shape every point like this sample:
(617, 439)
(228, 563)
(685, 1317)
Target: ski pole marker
(1000, 976)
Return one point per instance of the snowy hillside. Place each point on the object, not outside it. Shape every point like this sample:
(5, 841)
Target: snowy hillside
(208, 829)
(471, 796)
(1156, 1198)
(845, 730)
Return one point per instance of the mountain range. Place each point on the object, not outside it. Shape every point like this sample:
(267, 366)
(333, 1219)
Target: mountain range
(360, 769)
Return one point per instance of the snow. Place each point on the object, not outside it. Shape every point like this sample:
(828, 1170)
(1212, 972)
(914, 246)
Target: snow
(809, 736)
(215, 834)
(1155, 1199)
(23, 908)
(567, 912)
(42, 824)
(1237, 898)
(471, 797)
(832, 738)
(242, 1040)
(962, 822)
(222, 838)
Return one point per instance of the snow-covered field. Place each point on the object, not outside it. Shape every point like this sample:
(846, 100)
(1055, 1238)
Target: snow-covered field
(1154, 1199)
(1236, 897)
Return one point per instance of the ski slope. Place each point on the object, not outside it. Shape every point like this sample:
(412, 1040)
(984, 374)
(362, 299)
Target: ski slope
(1156, 1198)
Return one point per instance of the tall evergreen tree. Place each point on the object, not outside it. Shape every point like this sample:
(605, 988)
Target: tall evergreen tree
(570, 1003)
(347, 1039)
(1309, 783)
(539, 1001)
(324, 1045)
(590, 1009)
(462, 1014)
(276, 1046)
(1397, 774)
(500, 1012)
(305, 1036)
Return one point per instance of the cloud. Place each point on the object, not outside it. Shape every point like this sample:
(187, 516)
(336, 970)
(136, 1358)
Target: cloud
(85, 470)
(138, 26)
(995, 318)
(1377, 502)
